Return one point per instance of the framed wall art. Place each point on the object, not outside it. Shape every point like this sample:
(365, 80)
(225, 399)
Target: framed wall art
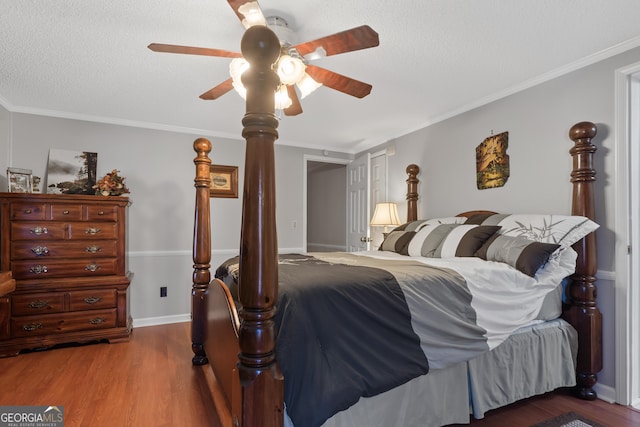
(224, 181)
(492, 161)
(71, 172)
(19, 180)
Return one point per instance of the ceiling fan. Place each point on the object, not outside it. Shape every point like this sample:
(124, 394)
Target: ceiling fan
(293, 66)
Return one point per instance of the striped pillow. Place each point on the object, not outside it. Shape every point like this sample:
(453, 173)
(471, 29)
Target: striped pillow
(463, 240)
(449, 240)
(426, 241)
(397, 241)
(523, 254)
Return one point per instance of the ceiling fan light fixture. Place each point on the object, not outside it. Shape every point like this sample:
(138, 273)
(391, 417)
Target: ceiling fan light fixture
(236, 68)
(290, 69)
(282, 99)
(307, 85)
(252, 14)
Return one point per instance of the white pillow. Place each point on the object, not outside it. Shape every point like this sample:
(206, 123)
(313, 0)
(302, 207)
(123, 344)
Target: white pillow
(564, 230)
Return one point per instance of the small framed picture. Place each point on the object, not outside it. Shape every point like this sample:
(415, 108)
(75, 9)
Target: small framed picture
(19, 180)
(224, 181)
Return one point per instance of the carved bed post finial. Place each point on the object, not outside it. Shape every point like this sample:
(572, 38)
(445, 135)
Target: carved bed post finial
(201, 250)
(412, 192)
(583, 313)
(260, 376)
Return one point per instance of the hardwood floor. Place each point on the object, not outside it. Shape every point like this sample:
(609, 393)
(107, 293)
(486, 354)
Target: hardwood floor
(541, 408)
(150, 381)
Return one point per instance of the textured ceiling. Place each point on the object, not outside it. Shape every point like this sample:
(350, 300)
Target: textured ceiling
(88, 60)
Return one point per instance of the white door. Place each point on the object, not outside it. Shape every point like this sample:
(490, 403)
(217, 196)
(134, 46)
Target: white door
(378, 174)
(358, 204)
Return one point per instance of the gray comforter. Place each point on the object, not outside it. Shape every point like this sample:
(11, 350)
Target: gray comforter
(350, 326)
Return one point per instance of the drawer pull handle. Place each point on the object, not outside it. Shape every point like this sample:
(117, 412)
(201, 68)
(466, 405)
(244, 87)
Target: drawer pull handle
(38, 269)
(101, 213)
(92, 300)
(92, 230)
(97, 321)
(30, 327)
(65, 212)
(39, 304)
(39, 230)
(93, 249)
(40, 250)
(92, 267)
(28, 211)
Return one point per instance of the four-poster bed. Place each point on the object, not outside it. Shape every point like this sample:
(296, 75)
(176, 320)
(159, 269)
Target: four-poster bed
(238, 337)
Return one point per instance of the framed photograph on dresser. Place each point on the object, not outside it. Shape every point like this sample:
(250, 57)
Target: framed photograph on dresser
(19, 180)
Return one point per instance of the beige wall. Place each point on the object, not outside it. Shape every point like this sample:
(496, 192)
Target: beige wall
(158, 166)
(538, 121)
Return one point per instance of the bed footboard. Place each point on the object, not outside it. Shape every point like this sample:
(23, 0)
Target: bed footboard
(221, 345)
(215, 322)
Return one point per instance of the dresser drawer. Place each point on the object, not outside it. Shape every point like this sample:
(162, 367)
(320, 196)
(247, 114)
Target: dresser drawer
(92, 299)
(60, 323)
(102, 213)
(38, 230)
(52, 302)
(28, 211)
(50, 268)
(93, 230)
(65, 212)
(63, 249)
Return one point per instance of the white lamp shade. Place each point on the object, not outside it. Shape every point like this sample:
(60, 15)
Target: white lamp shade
(290, 70)
(252, 14)
(282, 99)
(385, 214)
(307, 85)
(236, 68)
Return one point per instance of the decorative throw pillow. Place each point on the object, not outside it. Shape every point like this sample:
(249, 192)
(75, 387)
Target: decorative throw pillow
(397, 241)
(426, 241)
(411, 225)
(523, 254)
(461, 240)
(564, 230)
(446, 220)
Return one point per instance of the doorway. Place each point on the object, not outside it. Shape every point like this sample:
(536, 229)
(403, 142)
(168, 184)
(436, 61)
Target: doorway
(324, 204)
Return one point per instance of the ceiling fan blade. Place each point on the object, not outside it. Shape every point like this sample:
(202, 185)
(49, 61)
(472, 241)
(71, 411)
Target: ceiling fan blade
(339, 82)
(295, 107)
(218, 91)
(190, 50)
(346, 41)
(249, 12)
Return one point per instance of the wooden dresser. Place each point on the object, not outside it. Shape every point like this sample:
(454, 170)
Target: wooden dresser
(67, 254)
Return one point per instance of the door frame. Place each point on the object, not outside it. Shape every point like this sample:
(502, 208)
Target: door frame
(306, 158)
(627, 242)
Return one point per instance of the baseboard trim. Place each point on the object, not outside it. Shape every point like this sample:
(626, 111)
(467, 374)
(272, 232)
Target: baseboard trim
(161, 320)
(605, 392)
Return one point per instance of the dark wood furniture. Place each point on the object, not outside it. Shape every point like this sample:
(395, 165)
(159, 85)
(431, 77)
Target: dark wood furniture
(7, 283)
(240, 347)
(67, 255)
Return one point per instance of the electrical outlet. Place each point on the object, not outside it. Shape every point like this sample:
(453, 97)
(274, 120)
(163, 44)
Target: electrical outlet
(163, 291)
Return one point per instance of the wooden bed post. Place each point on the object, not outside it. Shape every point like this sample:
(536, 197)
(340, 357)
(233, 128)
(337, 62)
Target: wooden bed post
(260, 377)
(412, 192)
(201, 251)
(583, 313)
